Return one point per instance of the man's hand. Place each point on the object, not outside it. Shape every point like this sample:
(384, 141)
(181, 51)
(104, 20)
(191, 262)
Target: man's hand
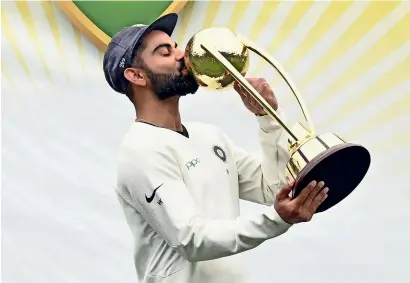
(301, 208)
(264, 90)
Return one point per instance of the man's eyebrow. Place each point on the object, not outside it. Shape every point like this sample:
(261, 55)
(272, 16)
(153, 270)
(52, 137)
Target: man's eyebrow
(164, 45)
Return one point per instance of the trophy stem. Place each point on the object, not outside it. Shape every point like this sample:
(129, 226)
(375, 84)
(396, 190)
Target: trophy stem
(245, 84)
(253, 47)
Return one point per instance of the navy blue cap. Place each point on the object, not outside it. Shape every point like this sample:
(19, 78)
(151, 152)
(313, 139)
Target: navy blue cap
(121, 49)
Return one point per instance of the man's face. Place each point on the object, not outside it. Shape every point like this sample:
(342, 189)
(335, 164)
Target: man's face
(164, 67)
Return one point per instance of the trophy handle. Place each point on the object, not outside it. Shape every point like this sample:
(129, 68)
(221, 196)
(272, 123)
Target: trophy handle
(245, 84)
(253, 47)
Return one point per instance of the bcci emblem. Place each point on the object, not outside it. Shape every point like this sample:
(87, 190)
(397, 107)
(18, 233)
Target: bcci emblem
(219, 152)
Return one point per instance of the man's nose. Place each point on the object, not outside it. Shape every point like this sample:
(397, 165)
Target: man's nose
(179, 54)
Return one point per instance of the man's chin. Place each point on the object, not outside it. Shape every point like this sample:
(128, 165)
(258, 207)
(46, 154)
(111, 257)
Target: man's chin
(191, 85)
(190, 91)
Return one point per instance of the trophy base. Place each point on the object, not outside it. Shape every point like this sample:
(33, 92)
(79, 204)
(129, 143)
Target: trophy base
(342, 167)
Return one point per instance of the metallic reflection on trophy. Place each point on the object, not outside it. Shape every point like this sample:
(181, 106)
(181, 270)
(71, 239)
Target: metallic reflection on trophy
(217, 57)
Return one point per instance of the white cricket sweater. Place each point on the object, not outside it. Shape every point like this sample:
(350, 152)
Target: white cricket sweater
(180, 195)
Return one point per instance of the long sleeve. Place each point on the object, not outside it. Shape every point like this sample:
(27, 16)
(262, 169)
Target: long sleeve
(151, 182)
(260, 177)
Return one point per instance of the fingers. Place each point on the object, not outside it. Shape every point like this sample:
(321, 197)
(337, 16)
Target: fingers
(319, 199)
(255, 83)
(302, 208)
(263, 88)
(285, 191)
(237, 87)
(313, 193)
(301, 198)
(252, 105)
(248, 99)
(258, 109)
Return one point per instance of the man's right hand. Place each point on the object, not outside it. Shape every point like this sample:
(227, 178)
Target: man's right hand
(301, 208)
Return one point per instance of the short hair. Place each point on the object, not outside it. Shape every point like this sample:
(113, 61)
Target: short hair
(137, 62)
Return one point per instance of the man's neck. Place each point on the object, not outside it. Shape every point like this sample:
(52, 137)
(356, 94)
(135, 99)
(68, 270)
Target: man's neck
(162, 114)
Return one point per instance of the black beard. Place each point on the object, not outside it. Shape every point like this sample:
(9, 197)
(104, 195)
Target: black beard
(169, 85)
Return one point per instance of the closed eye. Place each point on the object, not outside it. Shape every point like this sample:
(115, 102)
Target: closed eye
(164, 45)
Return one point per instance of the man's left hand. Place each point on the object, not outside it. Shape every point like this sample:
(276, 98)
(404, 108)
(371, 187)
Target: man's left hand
(263, 88)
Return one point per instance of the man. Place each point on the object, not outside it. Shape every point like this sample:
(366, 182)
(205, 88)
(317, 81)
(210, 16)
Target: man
(179, 184)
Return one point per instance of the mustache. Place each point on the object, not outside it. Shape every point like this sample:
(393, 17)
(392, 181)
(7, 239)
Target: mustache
(181, 66)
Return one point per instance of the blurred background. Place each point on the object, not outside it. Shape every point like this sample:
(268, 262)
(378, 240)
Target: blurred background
(62, 125)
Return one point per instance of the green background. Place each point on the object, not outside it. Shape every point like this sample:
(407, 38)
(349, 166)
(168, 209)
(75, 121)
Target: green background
(112, 16)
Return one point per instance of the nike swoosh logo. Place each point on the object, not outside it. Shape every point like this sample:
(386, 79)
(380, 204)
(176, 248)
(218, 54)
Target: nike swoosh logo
(149, 199)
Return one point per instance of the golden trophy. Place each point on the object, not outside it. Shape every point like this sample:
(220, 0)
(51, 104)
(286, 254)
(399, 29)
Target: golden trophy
(216, 57)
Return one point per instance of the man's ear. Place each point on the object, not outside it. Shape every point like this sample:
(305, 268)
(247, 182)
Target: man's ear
(135, 76)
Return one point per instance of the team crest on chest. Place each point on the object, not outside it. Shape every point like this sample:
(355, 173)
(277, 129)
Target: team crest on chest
(219, 152)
